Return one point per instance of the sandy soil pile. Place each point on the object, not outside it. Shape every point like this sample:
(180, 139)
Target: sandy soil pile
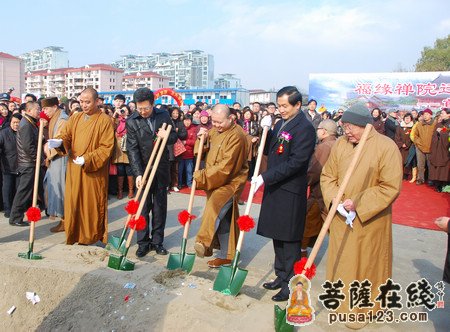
(79, 292)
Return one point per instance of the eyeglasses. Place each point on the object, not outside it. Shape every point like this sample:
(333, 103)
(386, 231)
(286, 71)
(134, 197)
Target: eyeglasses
(143, 109)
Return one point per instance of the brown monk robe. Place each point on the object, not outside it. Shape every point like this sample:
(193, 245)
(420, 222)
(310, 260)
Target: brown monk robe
(223, 179)
(88, 134)
(363, 251)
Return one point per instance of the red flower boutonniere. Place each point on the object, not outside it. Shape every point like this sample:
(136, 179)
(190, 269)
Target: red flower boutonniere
(444, 129)
(284, 137)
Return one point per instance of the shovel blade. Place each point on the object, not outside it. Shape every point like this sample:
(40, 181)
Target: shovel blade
(30, 255)
(227, 283)
(177, 261)
(114, 241)
(120, 263)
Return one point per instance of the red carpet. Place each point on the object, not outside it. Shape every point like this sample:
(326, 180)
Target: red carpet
(417, 206)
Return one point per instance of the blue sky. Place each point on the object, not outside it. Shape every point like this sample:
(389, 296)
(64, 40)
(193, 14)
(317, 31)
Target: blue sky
(268, 44)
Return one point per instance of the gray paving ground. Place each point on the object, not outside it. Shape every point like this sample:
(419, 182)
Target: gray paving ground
(417, 254)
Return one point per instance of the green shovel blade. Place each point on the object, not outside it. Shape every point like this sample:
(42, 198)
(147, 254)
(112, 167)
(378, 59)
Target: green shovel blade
(120, 263)
(30, 255)
(177, 261)
(228, 282)
(280, 320)
(119, 242)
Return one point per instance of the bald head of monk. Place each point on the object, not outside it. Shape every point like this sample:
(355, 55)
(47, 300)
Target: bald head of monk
(89, 101)
(221, 118)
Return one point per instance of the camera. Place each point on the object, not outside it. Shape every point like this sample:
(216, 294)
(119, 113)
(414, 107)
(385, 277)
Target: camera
(122, 112)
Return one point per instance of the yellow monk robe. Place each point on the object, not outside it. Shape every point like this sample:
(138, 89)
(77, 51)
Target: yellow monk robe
(223, 178)
(364, 251)
(86, 195)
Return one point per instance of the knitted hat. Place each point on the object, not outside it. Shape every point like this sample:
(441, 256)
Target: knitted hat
(427, 110)
(204, 113)
(358, 115)
(49, 102)
(329, 125)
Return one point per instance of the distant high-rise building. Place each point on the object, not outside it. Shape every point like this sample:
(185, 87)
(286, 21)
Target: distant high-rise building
(51, 57)
(192, 69)
(11, 74)
(227, 81)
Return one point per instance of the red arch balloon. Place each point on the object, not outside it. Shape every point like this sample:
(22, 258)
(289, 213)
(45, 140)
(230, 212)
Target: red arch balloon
(171, 93)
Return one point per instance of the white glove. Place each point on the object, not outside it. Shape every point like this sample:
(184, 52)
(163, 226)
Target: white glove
(54, 143)
(348, 215)
(79, 161)
(257, 182)
(266, 121)
(139, 181)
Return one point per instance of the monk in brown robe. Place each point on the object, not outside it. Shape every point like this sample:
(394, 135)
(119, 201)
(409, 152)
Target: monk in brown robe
(88, 137)
(316, 212)
(223, 179)
(363, 251)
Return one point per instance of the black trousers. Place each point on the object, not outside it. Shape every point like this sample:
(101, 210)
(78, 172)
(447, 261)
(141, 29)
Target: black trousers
(286, 254)
(10, 183)
(156, 203)
(24, 194)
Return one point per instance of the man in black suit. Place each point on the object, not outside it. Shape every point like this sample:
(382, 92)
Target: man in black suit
(290, 145)
(142, 128)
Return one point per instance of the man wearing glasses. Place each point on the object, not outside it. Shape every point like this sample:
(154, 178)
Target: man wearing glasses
(143, 127)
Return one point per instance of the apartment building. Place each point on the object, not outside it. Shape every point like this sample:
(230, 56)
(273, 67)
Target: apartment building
(51, 57)
(11, 74)
(148, 79)
(71, 81)
(193, 69)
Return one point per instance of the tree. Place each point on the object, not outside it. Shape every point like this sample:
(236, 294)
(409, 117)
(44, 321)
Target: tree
(436, 58)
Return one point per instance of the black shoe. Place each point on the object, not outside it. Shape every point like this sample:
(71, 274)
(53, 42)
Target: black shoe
(160, 250)
(281, 296)
(276, 284)
(142, 250)
(7, 214)
(20, 223)
(419, 182)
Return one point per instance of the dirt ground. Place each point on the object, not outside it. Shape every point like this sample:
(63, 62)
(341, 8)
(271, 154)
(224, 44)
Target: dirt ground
(78, 292)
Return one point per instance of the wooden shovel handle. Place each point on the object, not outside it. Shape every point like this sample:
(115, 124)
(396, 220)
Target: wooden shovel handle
(150, 162)
(149, 182)
(36, 174)
(194, 184)
(252, 186)
(338, 197)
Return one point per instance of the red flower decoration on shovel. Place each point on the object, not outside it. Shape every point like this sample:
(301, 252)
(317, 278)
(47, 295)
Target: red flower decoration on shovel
(33, 214)
(300, 265)
(184, 216)
(246, 223)
(137, 224)
(132, 207)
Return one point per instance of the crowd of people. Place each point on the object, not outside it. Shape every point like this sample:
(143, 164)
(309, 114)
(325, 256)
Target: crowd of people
(92, 150)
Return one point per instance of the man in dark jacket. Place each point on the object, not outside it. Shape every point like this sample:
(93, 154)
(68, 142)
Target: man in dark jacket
(142, 129)
(8, 155)
(289, 147)
(391, 124)
(312, 115)
(27, 142)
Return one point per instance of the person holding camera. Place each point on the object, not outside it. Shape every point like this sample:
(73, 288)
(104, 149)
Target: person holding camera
(120, 156)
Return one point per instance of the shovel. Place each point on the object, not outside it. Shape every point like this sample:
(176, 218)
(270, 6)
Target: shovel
(184, 260)
(118, 242)
(122, 262)
(30, 254)
(230, 279)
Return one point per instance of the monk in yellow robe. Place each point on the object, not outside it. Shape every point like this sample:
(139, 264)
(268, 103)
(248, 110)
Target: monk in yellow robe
(223, 179)
(363, 250)
(88, 137)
